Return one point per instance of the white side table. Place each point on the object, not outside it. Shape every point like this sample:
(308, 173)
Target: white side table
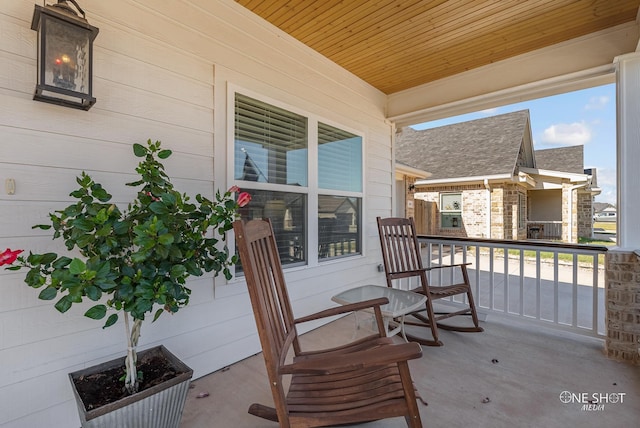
(401, 302)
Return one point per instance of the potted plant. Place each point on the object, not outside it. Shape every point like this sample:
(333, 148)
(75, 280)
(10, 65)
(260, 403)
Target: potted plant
(134, 261)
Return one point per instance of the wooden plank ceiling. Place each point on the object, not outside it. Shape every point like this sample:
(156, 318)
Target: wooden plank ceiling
(399, 44)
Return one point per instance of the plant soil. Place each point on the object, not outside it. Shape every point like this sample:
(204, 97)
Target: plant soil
(107, 386)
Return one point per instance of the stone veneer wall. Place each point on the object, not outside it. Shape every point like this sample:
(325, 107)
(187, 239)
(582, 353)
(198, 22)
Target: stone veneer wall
(504, 212)
(622, 299)
(497, 213)
(511, 201)
(585, 214)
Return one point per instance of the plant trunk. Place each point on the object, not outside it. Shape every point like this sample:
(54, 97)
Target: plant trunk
(130, 362)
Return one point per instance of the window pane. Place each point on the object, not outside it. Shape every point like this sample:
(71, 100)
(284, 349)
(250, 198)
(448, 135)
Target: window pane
(270, 143)
(338, 226)
(287, 212)
(339, 159)
(451, 202)
(451, 220)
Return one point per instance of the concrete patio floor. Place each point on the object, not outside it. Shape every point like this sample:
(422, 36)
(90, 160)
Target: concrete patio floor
(511, 375)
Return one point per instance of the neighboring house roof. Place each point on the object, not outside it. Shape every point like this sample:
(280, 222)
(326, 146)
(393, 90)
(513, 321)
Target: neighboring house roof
(567, 159)
(601, 206)
(498, 147)
(411, 171)
(491, 146)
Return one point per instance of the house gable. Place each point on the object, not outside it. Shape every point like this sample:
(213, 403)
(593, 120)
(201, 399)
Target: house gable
(489, 147)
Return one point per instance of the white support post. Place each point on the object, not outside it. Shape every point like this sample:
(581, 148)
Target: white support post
(628, 144)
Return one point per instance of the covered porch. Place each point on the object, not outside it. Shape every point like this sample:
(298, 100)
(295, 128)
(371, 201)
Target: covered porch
(170, 71)
(511, 375)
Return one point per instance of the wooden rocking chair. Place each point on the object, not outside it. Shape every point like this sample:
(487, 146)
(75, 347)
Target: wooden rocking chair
(402, 259)
(366, 380)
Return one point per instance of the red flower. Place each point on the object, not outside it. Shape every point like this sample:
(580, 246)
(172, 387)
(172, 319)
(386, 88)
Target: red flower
(243, 199)
(153, 198)
(233, 189)
(7, 257)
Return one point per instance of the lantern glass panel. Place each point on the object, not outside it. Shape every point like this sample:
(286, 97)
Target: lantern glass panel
(66, 56)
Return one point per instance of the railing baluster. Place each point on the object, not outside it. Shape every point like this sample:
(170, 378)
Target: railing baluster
(477, 272)
(491, 279)
(595, 292)
(538, 285)
(575, 291)
(506, 280)
(556, 286)
(521, 312)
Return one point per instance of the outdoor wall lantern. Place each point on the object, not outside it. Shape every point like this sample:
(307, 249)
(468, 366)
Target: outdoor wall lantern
(65, 55)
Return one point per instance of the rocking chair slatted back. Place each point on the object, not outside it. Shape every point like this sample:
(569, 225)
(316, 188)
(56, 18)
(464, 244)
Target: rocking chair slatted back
(401, 249)
(274, 318)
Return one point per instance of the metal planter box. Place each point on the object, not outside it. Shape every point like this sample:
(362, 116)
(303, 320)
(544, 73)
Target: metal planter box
(157, 407)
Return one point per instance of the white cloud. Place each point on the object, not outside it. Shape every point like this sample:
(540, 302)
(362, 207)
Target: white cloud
(568, 134)
(606, 178)
(597, 103)
(490, 111)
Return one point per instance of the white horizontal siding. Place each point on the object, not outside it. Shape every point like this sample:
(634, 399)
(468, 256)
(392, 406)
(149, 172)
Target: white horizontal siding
(162, 69)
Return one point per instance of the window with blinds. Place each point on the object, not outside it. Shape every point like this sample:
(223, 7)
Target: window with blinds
(271, 151)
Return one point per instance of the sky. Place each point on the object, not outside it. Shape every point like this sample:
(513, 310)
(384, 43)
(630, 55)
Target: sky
(586, 117)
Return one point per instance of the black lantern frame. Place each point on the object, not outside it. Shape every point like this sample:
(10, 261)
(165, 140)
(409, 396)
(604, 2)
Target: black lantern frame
(65, 55)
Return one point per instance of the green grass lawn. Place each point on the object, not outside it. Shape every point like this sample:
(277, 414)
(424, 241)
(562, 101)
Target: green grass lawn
(611, 226)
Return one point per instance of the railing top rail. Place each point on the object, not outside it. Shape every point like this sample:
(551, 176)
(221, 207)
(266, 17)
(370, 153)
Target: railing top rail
(509, 242)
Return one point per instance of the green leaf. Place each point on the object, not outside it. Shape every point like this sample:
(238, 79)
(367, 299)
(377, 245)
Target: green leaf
(63, 304)
(48, 258)
(48, 293)
(100, 194)
(139, 150)
(177, 271)
(97, 312)
(163, 154)
(121, 227)
(113, 318)
(42, 226)
(78, 194)
(169, 199)
(76, 267)
(159, 208)
(61, 262)
(93, 292)
(157, 314)
(166, 239)
(83, 224)
(85, 240)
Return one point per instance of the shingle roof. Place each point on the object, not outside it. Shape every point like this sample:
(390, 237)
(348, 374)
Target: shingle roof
(481, 147)
(566, 159)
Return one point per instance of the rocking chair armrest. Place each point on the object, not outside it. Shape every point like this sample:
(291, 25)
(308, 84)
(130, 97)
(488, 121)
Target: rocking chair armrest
(338, 363)
(447, 266)
(344, 309)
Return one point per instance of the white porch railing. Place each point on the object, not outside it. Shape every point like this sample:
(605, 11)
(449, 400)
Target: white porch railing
(559, 285)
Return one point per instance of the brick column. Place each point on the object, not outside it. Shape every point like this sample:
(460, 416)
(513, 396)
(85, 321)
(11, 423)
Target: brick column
(622, 299)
